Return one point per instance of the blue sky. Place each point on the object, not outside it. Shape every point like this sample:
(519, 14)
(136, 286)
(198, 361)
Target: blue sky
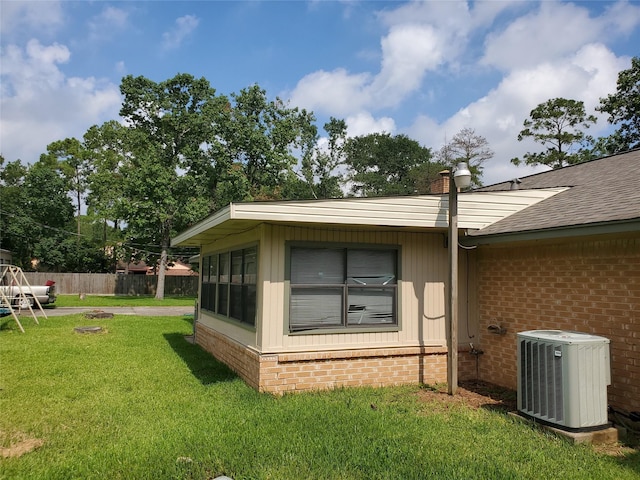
(425, 69)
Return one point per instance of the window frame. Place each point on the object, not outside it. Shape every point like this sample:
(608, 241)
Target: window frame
(345, 325)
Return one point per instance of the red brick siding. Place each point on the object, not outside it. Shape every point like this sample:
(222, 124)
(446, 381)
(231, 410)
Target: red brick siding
(585, 286)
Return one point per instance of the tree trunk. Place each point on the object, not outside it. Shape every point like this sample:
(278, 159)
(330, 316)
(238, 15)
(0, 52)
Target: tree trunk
(162, 269)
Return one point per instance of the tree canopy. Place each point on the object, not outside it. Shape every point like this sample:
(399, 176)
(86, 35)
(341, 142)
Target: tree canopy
(318, 175)
(37, 220)
(557, 124)
(623, 108)
(380, 164)
(467, 146)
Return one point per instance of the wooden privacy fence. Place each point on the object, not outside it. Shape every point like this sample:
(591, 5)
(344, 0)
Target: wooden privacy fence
(115, 284)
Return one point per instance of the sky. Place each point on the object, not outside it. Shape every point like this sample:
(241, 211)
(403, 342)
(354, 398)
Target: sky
(423, 69)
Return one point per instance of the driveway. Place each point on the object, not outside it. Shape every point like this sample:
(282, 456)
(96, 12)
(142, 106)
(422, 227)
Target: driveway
(141, 311)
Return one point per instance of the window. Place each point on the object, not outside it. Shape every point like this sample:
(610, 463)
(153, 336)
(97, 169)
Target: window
(229, 284)
(341, 287)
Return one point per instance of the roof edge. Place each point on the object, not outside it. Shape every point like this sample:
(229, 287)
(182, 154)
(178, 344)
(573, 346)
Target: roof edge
(211, 221)
(620, 226)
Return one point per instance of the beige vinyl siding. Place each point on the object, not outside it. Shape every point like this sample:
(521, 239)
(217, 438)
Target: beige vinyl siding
(421, 290)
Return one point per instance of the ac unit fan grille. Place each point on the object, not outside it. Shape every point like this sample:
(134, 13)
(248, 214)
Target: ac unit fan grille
(541, 380)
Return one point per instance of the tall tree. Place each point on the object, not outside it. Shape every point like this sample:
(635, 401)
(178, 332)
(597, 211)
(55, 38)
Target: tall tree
(169, 122)
(69, 156)
(319, 175)
(107, 148)
(256, 144)
(379, 164)
(623, 108)
(11, 180)
(557, 124)
(467, 146)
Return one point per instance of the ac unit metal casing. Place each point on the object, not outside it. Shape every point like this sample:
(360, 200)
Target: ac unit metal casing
(563, 378)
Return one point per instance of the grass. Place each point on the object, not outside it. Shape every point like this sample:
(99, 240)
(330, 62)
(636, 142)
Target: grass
(121, 301)
(140, 402)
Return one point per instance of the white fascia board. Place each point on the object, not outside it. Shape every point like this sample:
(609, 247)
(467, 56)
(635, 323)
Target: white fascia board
(208, 223)
(422, 211)
(475, 210)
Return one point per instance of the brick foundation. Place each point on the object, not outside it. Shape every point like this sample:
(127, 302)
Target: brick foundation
(295, 372)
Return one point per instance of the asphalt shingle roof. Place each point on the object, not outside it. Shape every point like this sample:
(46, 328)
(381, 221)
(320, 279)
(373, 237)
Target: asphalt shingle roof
(601, 191)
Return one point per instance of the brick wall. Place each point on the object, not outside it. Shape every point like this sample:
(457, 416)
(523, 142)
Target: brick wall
(280, 373)
(586, 286)
(243, 361)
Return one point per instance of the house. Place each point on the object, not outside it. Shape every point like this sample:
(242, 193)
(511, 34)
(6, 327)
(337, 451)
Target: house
(5, 257)
(304, 295)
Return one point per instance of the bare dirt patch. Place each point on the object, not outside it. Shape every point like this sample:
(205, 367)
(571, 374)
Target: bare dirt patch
(19, 444)
(474, 394)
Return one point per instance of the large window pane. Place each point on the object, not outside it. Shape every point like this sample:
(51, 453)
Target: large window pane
(317, 266)
(235, 302)
(371, 267)
(223, 267)
(236, 266)
(316, 307)
(223, 299)
(213, 268)
(205, 269)
(206, 296)
(371, 306)
(250, 265)
(211, 292)
(249, 304)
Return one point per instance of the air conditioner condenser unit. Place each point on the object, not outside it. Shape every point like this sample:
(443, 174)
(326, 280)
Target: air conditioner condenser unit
(563, 378)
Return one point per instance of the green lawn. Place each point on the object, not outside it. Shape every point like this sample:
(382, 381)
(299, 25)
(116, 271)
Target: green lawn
(121, 301)
(140, 402)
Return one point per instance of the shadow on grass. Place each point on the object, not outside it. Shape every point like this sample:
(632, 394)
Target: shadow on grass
(202, 364)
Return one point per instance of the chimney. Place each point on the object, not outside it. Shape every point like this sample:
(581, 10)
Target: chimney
(440, 185)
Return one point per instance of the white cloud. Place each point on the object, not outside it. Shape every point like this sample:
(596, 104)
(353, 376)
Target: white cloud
(364, 123)
(184, 26)
(408, 51)
(422, 37)
(587, 75)
(555, 30)
(39, 102)
(622, 18)
(338, 92)
(27, 15)
(108, 23)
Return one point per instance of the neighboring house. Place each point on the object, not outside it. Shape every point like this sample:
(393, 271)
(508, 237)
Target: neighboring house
(304, 295)
(175, 269)
(132, 268)
(5, 257)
